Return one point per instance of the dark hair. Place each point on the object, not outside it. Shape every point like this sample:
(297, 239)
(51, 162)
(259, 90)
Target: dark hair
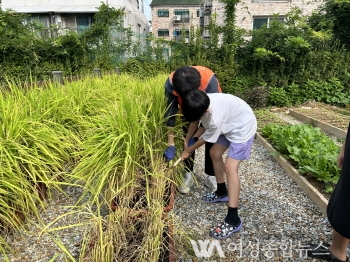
(194, 105)
(186, 79)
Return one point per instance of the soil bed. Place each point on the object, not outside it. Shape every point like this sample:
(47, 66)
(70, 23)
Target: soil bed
(265, 117)
(325, 113)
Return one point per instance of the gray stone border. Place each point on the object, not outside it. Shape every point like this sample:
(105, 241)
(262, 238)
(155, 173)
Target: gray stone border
(318, 199)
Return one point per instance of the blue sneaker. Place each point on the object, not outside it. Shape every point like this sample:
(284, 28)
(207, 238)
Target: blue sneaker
(214, 197)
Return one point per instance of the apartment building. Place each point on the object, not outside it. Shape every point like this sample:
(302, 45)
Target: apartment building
(172, 19)
(170, 16)
(252, 14)
(78, 14)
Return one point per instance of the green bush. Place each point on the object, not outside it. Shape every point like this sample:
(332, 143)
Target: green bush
(279, 97)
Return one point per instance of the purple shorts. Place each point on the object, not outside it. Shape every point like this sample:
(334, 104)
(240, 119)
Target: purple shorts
(238, 151)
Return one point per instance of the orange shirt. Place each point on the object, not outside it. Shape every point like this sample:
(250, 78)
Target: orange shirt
(206, 76)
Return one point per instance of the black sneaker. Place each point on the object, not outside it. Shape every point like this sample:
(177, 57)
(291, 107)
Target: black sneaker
(321, 251)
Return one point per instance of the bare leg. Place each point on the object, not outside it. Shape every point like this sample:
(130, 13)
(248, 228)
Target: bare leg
(233, 183)
(339, 246)
(216, 153)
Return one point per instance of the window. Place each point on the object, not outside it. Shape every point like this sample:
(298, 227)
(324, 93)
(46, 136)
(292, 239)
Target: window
(163, 13)
(68, 21)
(138, 28)
(83, 21)
(185, 15)
(198, 13)
(259, 22)
(179, 32)
(163, 32)
(43, 19)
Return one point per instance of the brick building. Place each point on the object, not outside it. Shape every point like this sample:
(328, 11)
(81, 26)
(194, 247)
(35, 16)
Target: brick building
(173, 18)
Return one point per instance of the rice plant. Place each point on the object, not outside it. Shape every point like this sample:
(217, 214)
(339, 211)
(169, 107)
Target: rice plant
(126, 235)
(122, 140)
(111, 133)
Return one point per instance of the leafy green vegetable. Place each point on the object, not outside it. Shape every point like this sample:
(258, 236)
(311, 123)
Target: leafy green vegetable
(313, 151)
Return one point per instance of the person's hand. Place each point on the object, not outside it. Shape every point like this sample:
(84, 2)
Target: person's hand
(340, 160)
(340, 157)
(185, 154)
(169, 153)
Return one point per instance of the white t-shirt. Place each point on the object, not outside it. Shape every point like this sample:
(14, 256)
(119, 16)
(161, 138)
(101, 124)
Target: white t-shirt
(230, 116)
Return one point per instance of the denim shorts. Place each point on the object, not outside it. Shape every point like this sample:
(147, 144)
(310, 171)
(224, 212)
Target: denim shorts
(238, 151)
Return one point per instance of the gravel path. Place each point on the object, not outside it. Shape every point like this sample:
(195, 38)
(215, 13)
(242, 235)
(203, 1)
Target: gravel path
(288, 118)
(31, 245)
(278, 217)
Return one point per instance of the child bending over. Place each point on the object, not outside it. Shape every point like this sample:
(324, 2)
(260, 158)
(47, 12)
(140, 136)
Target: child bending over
(229, 123)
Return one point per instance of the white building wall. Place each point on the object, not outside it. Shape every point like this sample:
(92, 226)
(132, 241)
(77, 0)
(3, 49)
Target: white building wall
(134, 16)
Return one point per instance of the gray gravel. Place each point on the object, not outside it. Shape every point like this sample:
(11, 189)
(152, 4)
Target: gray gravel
(31, 245)
(274, 210)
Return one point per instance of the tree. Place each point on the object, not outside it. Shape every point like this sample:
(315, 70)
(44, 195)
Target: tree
(107, 36)
(333, 16)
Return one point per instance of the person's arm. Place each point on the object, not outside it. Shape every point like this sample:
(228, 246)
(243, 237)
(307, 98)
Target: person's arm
(341, 156)
(170, 135)
(192, 128)
(187, 151)
(200, 131)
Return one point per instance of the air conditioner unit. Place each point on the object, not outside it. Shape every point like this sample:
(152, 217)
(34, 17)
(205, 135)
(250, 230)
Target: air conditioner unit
(177, 17)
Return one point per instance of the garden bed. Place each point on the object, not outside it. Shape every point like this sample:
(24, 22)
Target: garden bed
(328, 128)
(333, 116)
(266, 116)
(308, 184)
(313, 188)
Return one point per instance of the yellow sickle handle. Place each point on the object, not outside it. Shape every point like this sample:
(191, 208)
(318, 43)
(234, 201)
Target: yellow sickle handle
(177, 162)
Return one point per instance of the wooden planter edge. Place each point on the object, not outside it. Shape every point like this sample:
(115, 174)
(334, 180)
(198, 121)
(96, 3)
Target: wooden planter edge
(319, 200)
